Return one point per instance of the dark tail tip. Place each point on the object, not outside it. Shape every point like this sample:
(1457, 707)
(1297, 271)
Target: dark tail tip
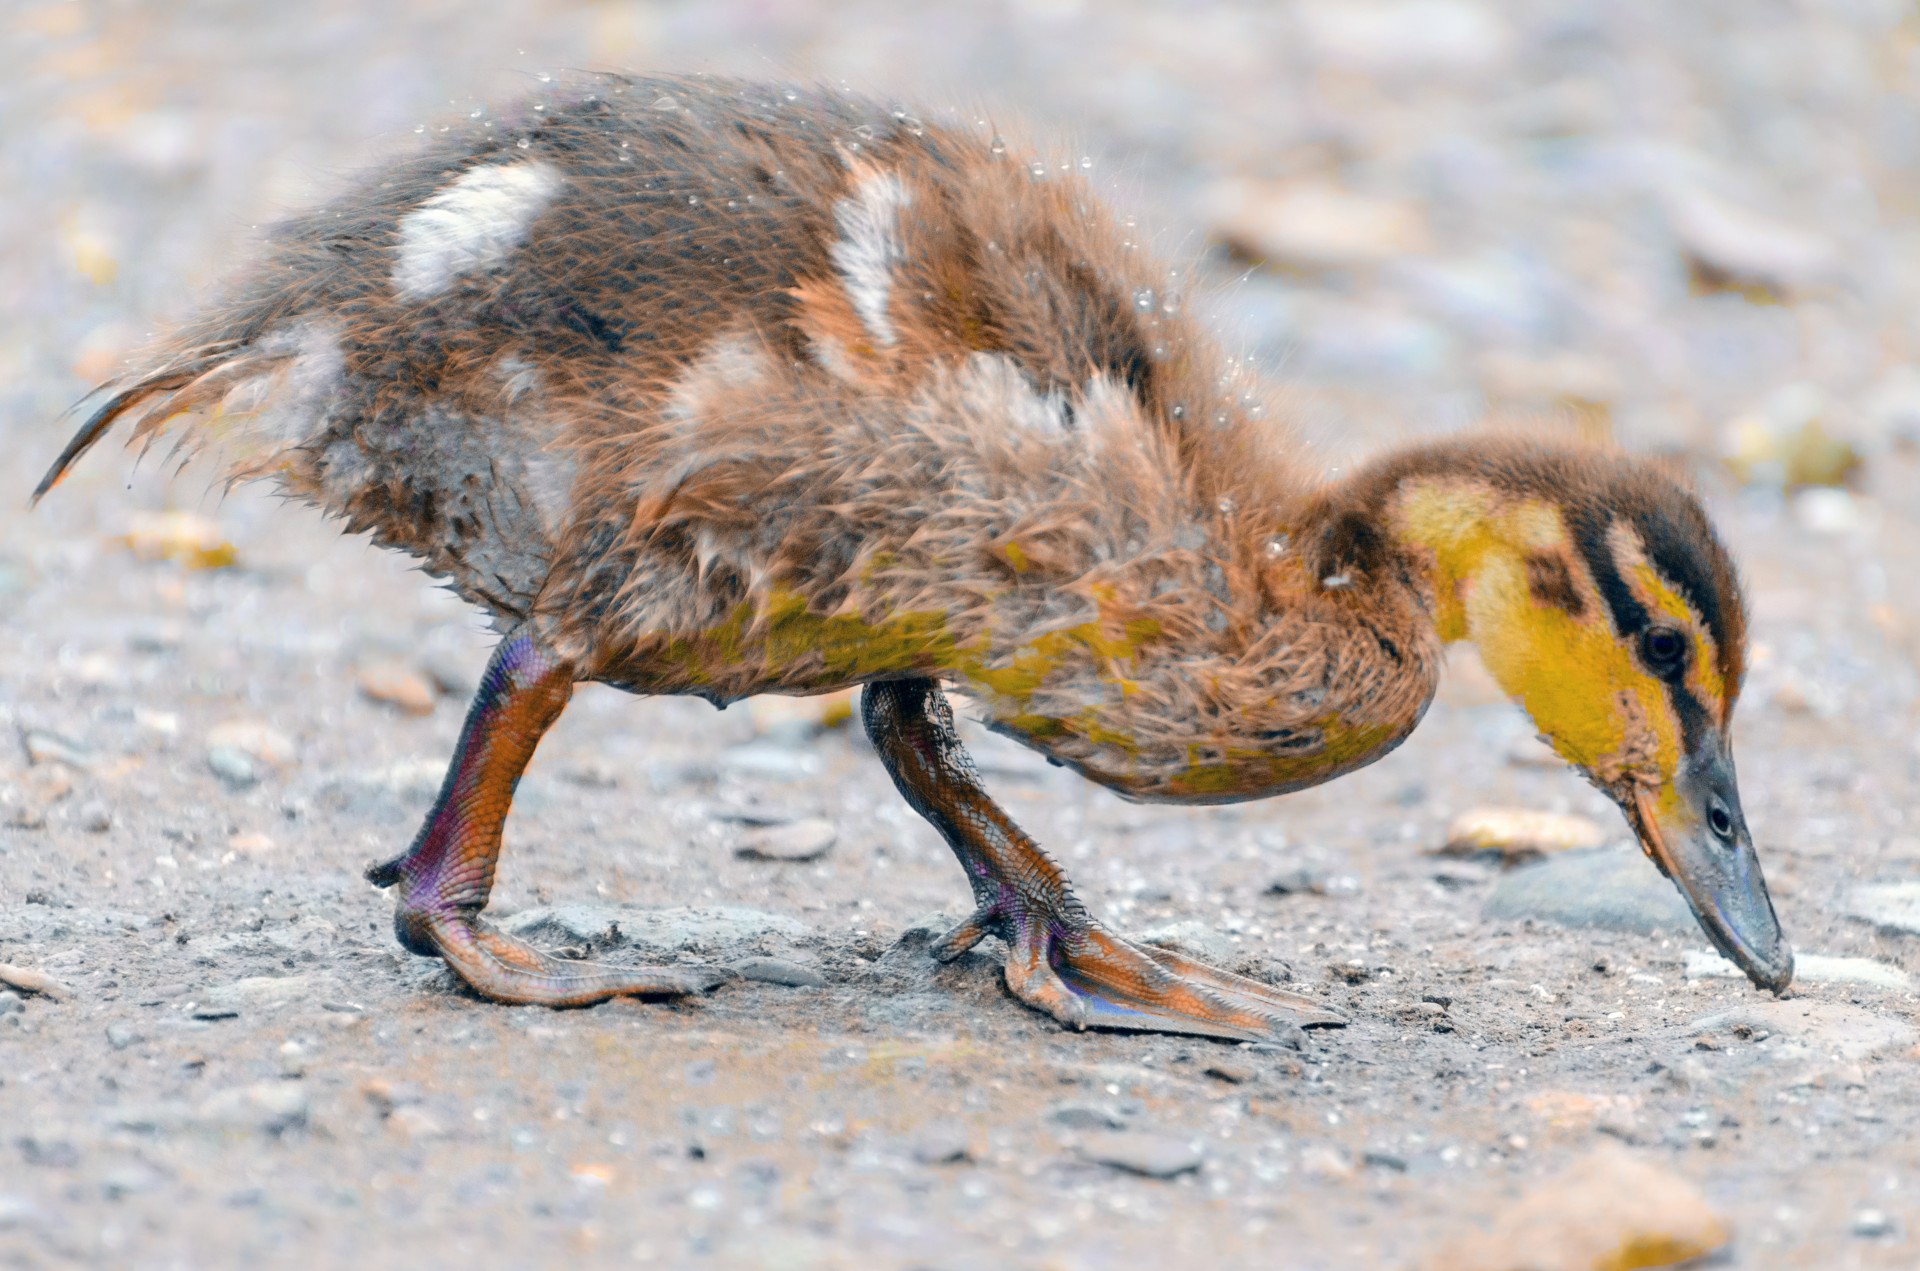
(93, 430)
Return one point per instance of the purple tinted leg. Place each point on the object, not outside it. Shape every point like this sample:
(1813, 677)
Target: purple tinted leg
(1059, 959)
(447, 875)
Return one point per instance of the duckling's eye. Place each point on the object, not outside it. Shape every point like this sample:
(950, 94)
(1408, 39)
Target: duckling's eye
(1720, 821)
(1665, 650)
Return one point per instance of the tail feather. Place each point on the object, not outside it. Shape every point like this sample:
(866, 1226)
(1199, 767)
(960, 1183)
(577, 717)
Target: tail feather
(181, 385)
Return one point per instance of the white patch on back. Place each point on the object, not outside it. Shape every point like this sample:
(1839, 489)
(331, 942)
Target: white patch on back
(733, 363)
(473, 224)
(869, 248)
(993, 386)
(517, 377)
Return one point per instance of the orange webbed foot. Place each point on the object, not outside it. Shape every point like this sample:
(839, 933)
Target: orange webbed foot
(1087, 977)
(505, 969)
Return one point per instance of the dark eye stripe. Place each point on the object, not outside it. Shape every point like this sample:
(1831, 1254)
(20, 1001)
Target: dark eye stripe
(1630, 617)
(1590, 537)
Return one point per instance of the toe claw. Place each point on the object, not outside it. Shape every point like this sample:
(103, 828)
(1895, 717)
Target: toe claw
(961, 939)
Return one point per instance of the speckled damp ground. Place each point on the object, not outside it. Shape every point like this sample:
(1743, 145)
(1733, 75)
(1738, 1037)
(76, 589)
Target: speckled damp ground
(175, 1110)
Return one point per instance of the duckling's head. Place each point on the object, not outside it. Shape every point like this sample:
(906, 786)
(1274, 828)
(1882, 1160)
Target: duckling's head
(1601, 599)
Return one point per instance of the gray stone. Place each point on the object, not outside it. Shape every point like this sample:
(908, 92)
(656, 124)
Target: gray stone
(270, 1107)
(779, 971)
(1893, 908)
(268, 992)
(11, 1003)
(1605, 887)
(1231, 1071)
(129, 1179)
(119, 1036)
(803, 840)
(1836, 1028)
(1808, 968)
(1304, 880)
(1727, 241)
(1872, 1224)
(232, 765)
(939, 1143)
(94, 817)
(1080, 1114)
(1149, 1155)
(753, 812)
(147, 1118)
(45, 747)
(685, 927)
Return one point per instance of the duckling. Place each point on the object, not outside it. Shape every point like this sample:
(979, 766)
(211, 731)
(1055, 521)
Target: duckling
(711, 388)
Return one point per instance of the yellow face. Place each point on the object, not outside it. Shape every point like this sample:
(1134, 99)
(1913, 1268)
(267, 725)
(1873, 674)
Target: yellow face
(1619, 672)
(1509, 576)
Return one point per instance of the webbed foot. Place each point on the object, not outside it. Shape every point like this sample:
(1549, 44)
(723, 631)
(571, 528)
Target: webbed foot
(498, 966)
(1087, 977)
(446, 876)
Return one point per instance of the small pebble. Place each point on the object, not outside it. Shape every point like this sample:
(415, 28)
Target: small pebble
(1082, 1115)
(779, 971)
(119, 1036)
(1231, 1071)
(1872, 1224)
(232, 766)
(94, 817)
(271, 1107)
(27, 980)
(186, 538)
(250, 844)
(44, 747)
(1149, 1155)
(129, 1180)
(397, 684)
(940, 1143)
(11, 1003)
(1519, 834)
(803, 840)
(1311, 882)
(258, 741)
(1608, 1209)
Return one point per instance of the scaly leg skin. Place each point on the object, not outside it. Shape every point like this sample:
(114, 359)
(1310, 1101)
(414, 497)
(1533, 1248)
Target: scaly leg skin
(446, 876)
(1059, 959)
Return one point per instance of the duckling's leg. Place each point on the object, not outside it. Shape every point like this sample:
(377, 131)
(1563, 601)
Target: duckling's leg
(1059, 958)
(446, 875)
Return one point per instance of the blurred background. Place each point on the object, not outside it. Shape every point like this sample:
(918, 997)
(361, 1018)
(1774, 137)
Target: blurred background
(1687, 225)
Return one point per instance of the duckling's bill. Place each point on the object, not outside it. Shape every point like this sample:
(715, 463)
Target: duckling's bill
(1695, 832)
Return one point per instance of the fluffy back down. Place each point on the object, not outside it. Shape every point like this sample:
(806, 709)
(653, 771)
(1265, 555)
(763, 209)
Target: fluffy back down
(558, 352)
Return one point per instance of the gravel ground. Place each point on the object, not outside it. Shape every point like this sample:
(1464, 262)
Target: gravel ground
(1688, 226)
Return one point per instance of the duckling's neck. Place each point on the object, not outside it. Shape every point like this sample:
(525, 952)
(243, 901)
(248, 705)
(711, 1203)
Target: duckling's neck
(1475, 527)
(1476, 535)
